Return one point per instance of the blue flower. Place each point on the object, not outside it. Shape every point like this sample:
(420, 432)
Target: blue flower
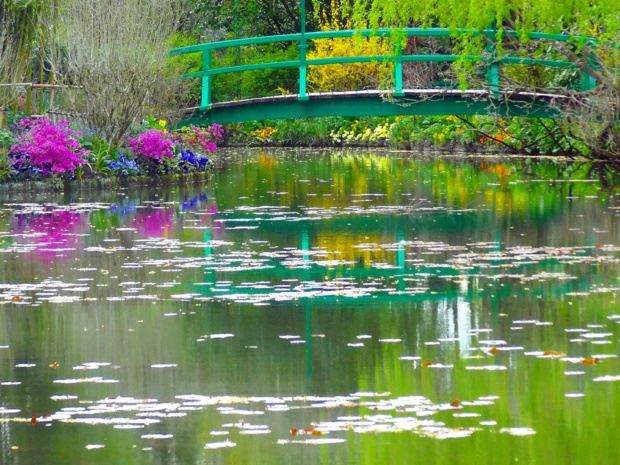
(188, 156)
(124, 166)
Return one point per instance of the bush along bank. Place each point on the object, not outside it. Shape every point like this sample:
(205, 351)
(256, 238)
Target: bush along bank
(36, 152)
(475, 134)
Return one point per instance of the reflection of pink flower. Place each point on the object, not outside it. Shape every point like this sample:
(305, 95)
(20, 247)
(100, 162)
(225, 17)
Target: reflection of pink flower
(154, 222)
(50, 234)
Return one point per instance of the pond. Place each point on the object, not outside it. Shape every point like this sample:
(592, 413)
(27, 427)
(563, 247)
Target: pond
(316, 307)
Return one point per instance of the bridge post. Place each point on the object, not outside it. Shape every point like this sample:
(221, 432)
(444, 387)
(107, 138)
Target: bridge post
(492, 71)
(205, 102)
(587, 81)
(303, 48)
(398, 71)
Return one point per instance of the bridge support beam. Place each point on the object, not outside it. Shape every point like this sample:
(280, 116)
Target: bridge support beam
(303, 49)
(367, 105)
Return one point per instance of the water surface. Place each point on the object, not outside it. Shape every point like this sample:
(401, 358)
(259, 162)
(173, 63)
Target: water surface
(316, 307)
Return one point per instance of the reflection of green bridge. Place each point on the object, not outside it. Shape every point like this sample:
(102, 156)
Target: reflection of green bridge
(408, 281)
(437, 101)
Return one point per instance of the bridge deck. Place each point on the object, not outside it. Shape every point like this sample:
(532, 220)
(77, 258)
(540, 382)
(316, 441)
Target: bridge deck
(377, 103)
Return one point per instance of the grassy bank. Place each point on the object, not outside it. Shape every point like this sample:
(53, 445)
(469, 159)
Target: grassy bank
(525, 136)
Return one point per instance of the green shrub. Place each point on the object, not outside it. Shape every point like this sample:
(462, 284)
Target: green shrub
(260, 83)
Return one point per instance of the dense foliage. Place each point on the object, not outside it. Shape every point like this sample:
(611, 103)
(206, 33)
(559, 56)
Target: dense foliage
(461, 133)
(593, 50)
(36, 149)
(352, 76)
(113, 57)
(22, 29)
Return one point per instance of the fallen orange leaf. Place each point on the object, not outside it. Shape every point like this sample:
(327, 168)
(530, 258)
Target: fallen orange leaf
(33, 420)
(590, 361)
(455, 403)
(494, 350)
(54, 365)
(294, 431)
(15, 298)
(316, 432)
(553, 353)
(426, 364)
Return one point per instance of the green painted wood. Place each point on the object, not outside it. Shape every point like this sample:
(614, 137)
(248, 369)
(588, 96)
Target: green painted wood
(409, 32)
(205, 100)
(303, 50)
(361, 105)
(324, 108)
(492, 72)
(371, 59)
(398, 72)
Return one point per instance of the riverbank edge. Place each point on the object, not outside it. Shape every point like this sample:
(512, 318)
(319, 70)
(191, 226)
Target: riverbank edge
(451, 150)
(100, 182)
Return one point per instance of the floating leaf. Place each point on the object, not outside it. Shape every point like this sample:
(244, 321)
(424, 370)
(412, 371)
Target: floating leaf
(553, 354)
(518, 431)
(590, 361)
(608, 378)
(219, 445)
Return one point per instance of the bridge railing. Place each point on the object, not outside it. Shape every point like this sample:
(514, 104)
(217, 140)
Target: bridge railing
(491, 60)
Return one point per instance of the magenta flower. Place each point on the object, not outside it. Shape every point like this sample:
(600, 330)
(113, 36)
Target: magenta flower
(49, 147)
(152, 145)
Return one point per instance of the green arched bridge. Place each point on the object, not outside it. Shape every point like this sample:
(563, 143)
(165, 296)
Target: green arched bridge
(487, 99)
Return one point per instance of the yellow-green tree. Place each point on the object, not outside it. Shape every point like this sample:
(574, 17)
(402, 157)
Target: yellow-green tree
(350, 76)
(593, 114)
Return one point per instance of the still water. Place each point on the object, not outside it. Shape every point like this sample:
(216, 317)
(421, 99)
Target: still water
(316, 307)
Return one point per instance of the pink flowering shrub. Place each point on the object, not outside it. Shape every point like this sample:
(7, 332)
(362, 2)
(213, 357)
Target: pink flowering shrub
(152, 145)
(202, 138)
(50, 147)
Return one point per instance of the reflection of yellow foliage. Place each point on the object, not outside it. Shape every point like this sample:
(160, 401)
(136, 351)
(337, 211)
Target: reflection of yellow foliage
(345, 246)
(266, 161)
(505, 202)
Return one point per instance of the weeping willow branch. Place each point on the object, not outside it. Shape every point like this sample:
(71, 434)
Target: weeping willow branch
(21, 29)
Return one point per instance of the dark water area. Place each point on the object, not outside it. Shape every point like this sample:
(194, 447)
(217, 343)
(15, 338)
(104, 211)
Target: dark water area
(316, 307)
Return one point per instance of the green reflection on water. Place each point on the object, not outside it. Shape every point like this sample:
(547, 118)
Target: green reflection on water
(334, 273)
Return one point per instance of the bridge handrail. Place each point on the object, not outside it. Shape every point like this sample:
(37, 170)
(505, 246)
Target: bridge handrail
(398, 58)
(348, 33)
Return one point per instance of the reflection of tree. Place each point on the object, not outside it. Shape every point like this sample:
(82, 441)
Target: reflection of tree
(330, 180)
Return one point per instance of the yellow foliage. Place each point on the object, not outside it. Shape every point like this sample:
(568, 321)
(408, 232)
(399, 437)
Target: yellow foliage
(350, 76)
